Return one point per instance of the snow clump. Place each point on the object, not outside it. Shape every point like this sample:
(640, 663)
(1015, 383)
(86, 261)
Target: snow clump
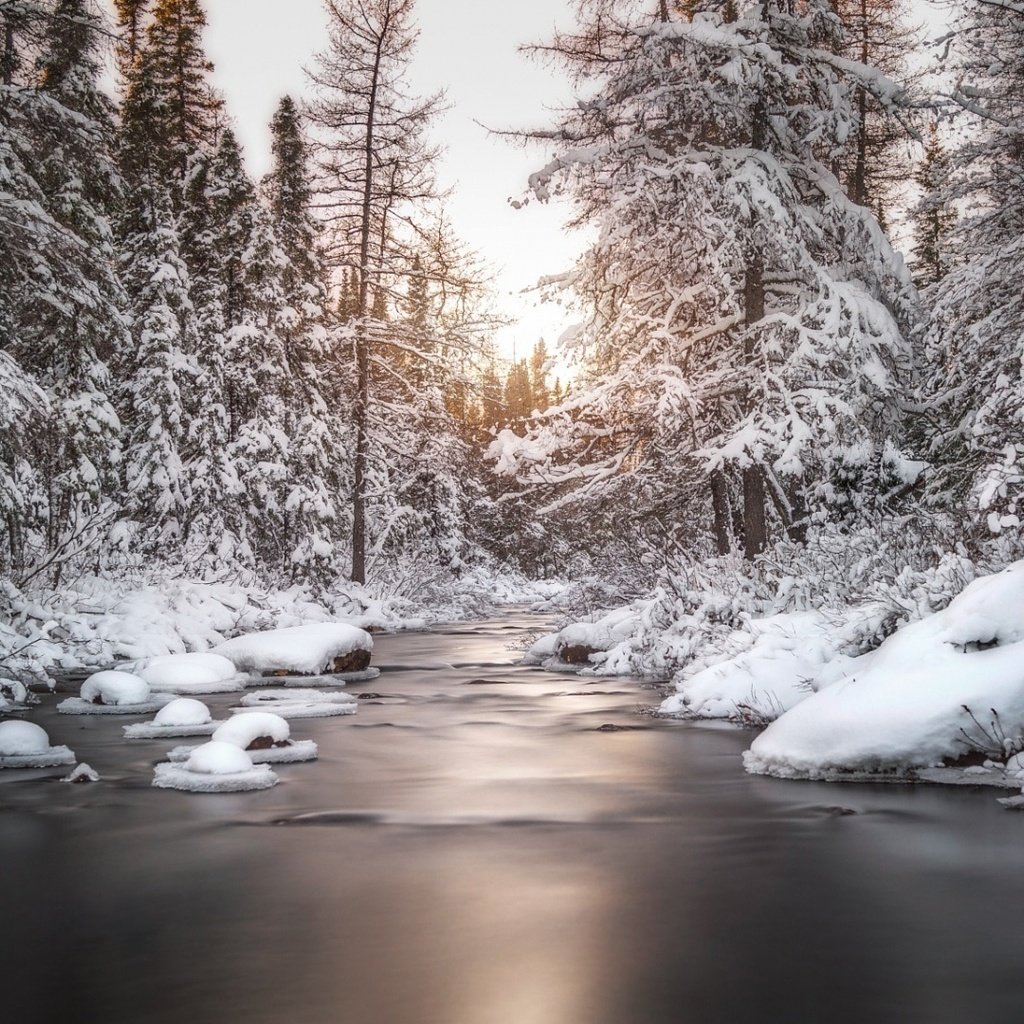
(214, 768)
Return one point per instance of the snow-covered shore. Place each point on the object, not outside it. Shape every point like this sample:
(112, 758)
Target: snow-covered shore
(95, 622)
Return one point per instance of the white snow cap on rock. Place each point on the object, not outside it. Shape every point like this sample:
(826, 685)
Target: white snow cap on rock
(214, 768)
(215, 758)
(183, 712)
(26, 745)
(115, 688)
(245, 728)
(21, 738)
(308, 649)
(83, 773)
(198, 672)
(903, 705)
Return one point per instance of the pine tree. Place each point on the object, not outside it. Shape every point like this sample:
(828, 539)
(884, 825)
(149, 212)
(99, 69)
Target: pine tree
(742, 307)
(932, 215)
(973, 400)
(60, 301)
(186, 114)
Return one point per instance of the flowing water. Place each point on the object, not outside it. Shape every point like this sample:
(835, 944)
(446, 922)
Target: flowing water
(485, 843)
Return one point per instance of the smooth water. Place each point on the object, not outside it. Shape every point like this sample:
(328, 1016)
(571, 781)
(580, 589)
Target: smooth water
(485, 843)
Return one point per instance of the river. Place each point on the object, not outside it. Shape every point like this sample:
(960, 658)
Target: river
(485, 843)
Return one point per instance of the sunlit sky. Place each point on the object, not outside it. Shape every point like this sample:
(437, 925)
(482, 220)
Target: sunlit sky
(468, 48)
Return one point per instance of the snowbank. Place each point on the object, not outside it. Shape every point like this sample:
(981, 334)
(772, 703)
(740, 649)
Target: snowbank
(302, 650)
(947, 685)
(26, 745)
(788, 657)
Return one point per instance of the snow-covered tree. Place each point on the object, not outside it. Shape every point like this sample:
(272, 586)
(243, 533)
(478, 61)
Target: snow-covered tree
(746, 322)
(60, 300)
(974, 397)
(377, 180)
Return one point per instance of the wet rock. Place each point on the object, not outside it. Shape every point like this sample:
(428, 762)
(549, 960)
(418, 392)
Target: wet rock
(354, 661)
(575, 654)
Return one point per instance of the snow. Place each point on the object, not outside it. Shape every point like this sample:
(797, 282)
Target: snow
(217, 758)
(115, 688)
(27, 745)
(184, 779)
(293, 752)
(183, 711)
(21, 738)
(214, 767)
(184, 716)
(940, 687)
(296, 703)
(114, 693)
(83, 773)
(789, 657)
(244, 729)
(308, 649)
(541, 650)
(197, 672)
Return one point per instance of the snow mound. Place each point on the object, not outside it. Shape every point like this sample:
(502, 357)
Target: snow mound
(183, 711)
(180, 777)
(946, 685)
(83, 773)
(790, 657)
(26, 745)
(215, 758)
(311, 649)
(246, 729)
(190, 673)
(541, 650)
(182, 717)
(115, 688)
(214, 768)
(295, 703)
(292, 752)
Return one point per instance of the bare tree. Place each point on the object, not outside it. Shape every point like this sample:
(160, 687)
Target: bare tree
(377, 168)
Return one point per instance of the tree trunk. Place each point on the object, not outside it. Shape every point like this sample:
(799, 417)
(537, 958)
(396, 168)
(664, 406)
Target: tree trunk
(723, 512)
(755, 536)
(362, 342)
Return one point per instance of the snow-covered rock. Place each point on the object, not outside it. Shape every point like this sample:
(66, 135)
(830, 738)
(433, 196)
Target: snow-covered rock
(541, 650)
(197, 672)
(115, 688)
(83, 773)
(264, 736)
(312, 649)
(938, 688)
(214, 768)
(184, 716)
(26, 745)
(296, 703)
(114, 693)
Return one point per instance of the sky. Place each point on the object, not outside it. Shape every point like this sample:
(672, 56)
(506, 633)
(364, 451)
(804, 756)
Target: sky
(470, 49)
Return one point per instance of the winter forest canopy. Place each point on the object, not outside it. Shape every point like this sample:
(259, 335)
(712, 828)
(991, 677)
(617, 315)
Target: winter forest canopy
(796, 378)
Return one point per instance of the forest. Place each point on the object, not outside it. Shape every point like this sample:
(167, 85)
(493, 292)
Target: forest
(795, 392)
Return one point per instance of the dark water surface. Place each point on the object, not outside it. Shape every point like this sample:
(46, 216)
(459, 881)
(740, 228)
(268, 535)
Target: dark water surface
(474, 848)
